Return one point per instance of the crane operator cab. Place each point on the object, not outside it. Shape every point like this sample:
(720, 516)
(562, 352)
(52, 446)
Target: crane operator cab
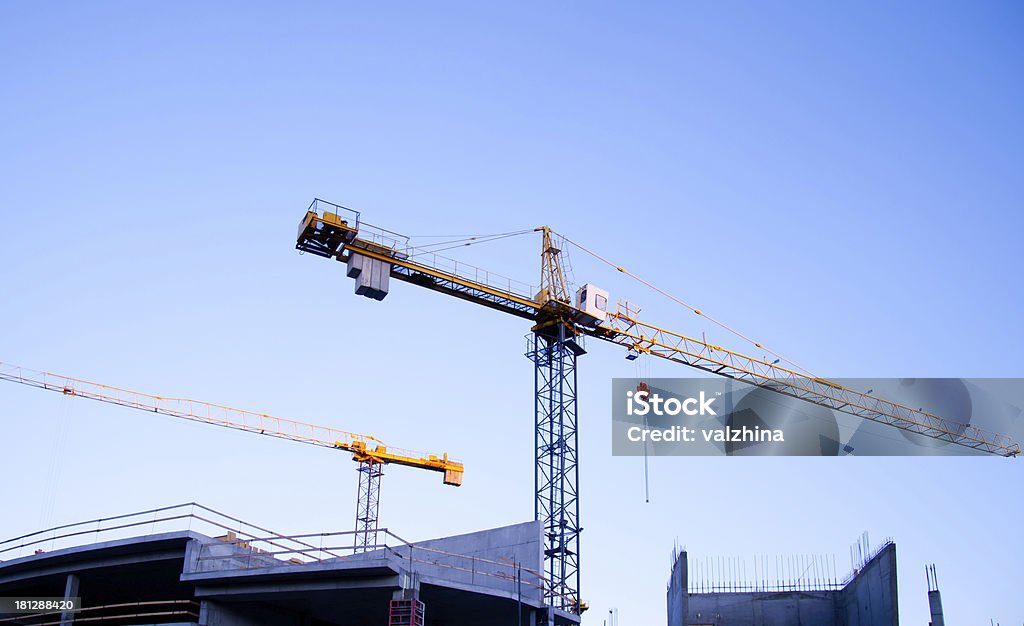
(592, 301)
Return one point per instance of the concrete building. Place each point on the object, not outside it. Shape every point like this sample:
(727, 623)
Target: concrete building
(867, 597)
(246, 576)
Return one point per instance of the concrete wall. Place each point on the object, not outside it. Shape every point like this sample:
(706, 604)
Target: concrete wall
(869, 599)
(485, 558)
(677, 600)
(763, 609)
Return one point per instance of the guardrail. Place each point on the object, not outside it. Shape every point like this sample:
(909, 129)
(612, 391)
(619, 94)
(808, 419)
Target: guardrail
(188, 516)
(240, 545)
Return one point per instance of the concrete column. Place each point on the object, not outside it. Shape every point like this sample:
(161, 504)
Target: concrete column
(409, 589)
(935, 608)
(70, 591)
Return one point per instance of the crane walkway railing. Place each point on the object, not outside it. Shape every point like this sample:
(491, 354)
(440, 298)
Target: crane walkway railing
(402, 249)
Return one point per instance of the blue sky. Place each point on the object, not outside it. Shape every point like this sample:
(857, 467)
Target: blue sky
(842, 182)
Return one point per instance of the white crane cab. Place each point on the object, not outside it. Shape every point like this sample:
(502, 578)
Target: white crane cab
(593, 301)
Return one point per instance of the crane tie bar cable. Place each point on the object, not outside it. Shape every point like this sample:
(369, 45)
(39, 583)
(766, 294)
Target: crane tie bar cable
(686, 305)
(469, 241)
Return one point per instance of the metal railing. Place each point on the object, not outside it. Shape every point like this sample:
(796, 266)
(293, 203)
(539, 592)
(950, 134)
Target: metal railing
(188, 516)
(240, 545)
(472, 273)
(403, 249)
(319, 207)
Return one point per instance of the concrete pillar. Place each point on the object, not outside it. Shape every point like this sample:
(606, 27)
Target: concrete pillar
(935, 606)
(409, 591)
(70, 591)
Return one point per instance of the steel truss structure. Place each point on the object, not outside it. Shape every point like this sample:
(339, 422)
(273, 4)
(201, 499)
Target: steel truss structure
(556, 471)
(368, 504)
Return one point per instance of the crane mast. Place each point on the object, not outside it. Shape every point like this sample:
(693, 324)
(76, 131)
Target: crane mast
(554, 346)
(369, 452)
(373, 256)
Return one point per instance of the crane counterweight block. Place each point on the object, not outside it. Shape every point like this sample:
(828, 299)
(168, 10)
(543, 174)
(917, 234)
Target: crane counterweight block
(453, 477)
(372, 276)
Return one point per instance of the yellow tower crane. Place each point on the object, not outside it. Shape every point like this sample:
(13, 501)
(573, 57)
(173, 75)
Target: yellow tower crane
(369, 452)
(561, 321)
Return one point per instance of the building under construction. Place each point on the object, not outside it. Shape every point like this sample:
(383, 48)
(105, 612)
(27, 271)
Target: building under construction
(798, 590)
(189, 564)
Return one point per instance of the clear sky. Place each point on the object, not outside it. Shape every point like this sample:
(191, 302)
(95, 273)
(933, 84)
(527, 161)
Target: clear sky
(842, 182)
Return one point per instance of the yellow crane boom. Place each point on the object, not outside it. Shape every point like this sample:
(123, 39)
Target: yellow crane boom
(371, 453)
